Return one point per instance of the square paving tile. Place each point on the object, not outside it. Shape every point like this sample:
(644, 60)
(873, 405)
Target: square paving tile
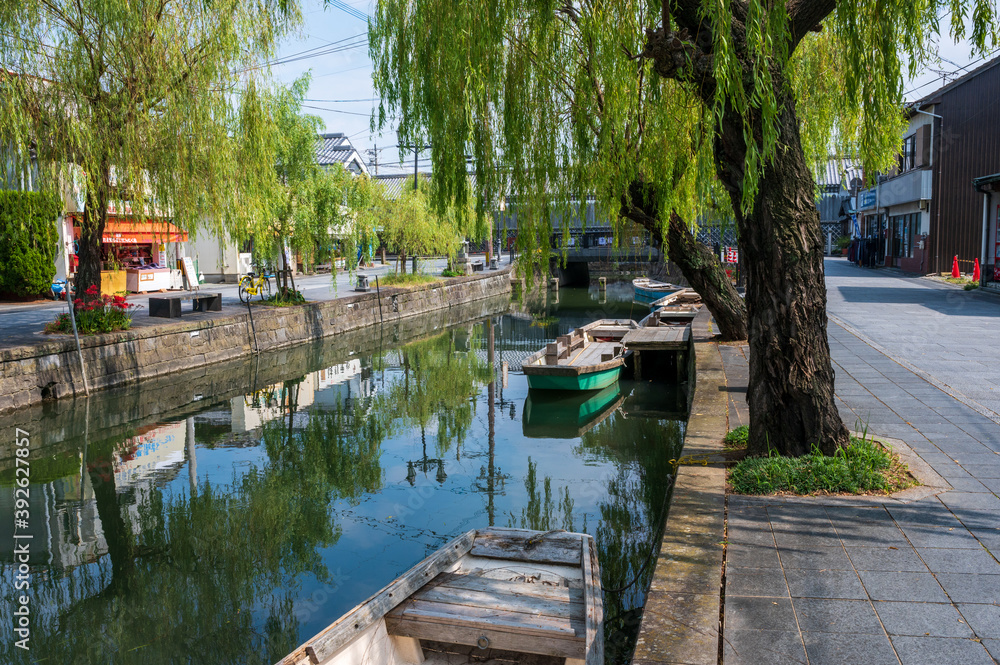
(755, 582)
(984, 619)
(993, 646)
(759, 613)
(952, 537)
(744, 534)
(754, 647)
(959, 561)
(815, 558)
(863, 535)
(857, 650)
(940, 650)
(889, 559)
(806, 538)
(825, 584)
(929, 512)
(752, 556)
(916, 587)
(933, 619)
(822, 615)
(966, 588)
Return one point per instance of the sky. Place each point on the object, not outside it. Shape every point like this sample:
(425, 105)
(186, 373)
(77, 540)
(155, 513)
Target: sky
(332, 44)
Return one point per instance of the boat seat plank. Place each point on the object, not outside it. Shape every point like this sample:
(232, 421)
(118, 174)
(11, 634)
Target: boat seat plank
(499, 618)
(511, 596)
(559, 548)
(571, 593)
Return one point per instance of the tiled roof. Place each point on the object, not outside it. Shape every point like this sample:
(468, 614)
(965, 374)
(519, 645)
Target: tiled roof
(338, 149)
(836, 171)
(393, 185)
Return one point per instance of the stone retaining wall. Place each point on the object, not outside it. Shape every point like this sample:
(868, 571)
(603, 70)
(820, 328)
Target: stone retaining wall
(51, 369)
(680, 622)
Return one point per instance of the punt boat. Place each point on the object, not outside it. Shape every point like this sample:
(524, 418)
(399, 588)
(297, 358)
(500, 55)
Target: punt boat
(512, 595)
(589, 358)
(647, 290)
(554, 414)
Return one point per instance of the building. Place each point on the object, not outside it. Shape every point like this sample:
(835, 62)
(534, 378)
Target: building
(835, 180)
(928, 210)
(337, 149)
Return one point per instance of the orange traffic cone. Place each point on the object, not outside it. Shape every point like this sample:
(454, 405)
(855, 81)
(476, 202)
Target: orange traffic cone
(954, 268)
(975, 272)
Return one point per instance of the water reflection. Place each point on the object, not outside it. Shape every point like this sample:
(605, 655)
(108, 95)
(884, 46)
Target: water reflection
(237, 525)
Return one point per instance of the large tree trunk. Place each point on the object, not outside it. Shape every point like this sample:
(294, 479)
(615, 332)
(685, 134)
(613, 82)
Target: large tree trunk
(95, 218)
(790, 393)
(700, 267)
(791, 389)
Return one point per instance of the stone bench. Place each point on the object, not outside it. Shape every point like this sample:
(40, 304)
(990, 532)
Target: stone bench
(478, 266)
(169, 307)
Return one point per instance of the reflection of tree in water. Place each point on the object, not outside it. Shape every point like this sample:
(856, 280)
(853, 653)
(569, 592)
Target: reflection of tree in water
(209, 577)
(540, 512)
(439, 384)
(632, 517)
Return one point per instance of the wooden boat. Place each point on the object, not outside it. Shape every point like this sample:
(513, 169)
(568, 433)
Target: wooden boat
(682, 297)
(552, 414)
(515, 595)
(589, 358)
(647, 290)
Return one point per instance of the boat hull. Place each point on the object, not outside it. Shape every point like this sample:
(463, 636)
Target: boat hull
(584, 381)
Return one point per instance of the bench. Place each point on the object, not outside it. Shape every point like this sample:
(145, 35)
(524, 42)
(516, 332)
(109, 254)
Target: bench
(169, 307)
(478, 266)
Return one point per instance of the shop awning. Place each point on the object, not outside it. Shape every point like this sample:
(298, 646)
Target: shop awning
(128, 232)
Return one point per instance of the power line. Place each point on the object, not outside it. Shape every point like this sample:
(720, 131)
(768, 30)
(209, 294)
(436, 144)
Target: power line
(330, 47)
(953, 73)
(348, 9)
(323, 108)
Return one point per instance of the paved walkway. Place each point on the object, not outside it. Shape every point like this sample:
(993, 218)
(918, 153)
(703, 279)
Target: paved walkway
(870, 580)
(21, 324)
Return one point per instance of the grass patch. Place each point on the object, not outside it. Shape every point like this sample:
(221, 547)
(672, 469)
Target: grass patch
(448, 272)
(286, 298)
(863, 467)
(405, 279)
(737, 438)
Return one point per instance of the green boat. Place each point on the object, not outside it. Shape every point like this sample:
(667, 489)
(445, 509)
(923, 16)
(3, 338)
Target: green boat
(550, 414)
(589, 358)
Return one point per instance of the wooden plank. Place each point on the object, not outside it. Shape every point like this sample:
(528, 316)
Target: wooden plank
(560, 548)
(498, 638)
(562, 593)
(343, 630)
(593, 594)
(488, 617)
(510, 599)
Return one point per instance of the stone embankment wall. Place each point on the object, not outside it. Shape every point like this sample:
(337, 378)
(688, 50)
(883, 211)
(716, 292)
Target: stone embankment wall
(51, 369)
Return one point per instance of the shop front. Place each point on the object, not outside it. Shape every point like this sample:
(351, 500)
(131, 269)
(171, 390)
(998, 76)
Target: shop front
(137, 256)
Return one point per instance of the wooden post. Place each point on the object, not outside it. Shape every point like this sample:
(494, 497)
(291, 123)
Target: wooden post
(638, 365)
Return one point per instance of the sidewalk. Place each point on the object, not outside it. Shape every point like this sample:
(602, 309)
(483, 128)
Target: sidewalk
(21, 324)
(878, 580)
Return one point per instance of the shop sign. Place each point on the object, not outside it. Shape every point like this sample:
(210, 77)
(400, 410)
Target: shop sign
(868, 198)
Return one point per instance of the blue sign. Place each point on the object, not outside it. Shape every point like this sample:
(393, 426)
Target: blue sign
(868, 198)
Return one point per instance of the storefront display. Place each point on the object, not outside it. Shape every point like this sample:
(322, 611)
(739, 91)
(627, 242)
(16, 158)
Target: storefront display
(136, 254)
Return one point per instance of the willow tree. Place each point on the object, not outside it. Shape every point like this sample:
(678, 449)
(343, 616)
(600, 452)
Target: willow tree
(136, 100)
(651, 105)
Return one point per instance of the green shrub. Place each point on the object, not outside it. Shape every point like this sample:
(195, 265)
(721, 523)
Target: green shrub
(860, 467)
(738, 437)
(28, 241)
(285, 298)
(404, 279)
(448, 272)
(843, 242)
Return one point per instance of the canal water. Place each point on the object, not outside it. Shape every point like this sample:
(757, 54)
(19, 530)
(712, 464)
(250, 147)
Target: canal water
(234, 524)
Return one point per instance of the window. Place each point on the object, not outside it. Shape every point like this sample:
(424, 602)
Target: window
(909, 152)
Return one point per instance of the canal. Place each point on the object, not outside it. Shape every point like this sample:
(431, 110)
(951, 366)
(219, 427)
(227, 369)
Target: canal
(231, 523)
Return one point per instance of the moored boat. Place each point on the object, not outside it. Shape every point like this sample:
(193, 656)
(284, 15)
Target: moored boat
(647, 290)
(516, 595)
(589, 358)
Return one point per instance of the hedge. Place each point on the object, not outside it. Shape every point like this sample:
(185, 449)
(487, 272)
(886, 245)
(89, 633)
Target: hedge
(29, 241)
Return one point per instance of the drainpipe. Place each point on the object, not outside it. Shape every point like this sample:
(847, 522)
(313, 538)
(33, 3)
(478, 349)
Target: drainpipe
(936, 236)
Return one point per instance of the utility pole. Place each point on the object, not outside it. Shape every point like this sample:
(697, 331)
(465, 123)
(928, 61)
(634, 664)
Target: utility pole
(416, 148)
(374, 153)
